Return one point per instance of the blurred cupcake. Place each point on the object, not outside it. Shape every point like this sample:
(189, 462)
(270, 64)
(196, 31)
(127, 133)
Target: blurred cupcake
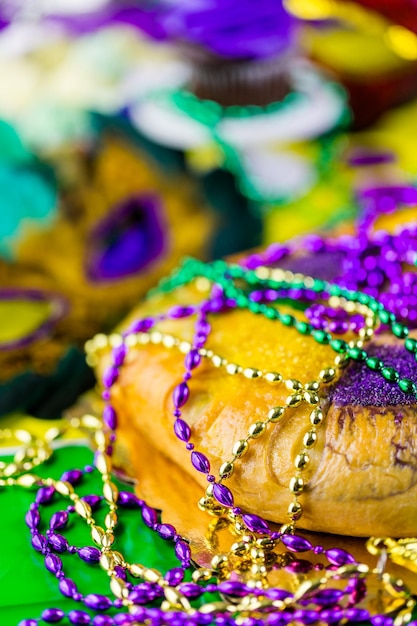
(239, 52)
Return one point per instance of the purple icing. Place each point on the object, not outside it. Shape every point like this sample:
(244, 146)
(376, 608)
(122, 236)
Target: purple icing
(240, 29)
(127, 240)
(363, 387)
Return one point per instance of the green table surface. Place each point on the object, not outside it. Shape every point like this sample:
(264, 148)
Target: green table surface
(26, 587)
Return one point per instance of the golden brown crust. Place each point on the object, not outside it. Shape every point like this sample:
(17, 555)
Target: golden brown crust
(362, 476)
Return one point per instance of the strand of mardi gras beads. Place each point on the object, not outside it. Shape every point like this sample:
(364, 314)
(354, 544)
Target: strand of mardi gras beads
(226, 275)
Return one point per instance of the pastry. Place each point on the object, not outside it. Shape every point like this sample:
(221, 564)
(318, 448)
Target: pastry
(357, 469)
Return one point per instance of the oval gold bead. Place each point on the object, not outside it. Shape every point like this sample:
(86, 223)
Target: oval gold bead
(184, 347)
(82, 508)
(295, 511)
(342, 361)
(293, 384)
(217, 360)
(316, 417)
(173, 596)
(211, 607)
(27, 480)
(168, 341)
(294, 400)
(239, 548)
(327, 375)
(201, 574)
(118, 557)
(97, 534)
(273, 377)
(156, 337)
(151, 575)
(257, 554)
(118, 587)
(91, 422)
(132, 340)
(226, 470)
(240, 448)
(10, 469)
(110, 492)
(258, 570)
(107, 561)
(111, 520)
(252, 373)
(310, 439)
(100, 440)
(103, 463)
(136, 570)
(266, 543)
(275, 414)
(311, 397)
(296, 484)
(108, 540)
(233, 368)
(366, 333)
(256, 429)
(313, 385)
(203, 504)
(302, 461)
(219, 561)
(209, 491)
(64, 488)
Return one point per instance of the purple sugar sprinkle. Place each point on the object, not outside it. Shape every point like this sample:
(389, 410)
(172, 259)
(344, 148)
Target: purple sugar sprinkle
(363, 387)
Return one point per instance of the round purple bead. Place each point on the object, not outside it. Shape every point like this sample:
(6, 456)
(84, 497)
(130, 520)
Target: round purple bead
(53, 563)
(51, 616)
(339, 557)
(166, 531)
(110, 417)
(180, 395)
(149, 516)
(223, 495)
(200, 462)
(68, 587)
(233, 588)
(182, 430)
(118, 354)
(182, 551)
(72, 476)
(110, 376)
(79, 617)
(32, 518)
(44, 495)
(92, 500)
(97, 602)
(296, 543)
(128, 500)
(28, 622)
(39, 542)
(191, 590)
(327, 597)
(193, 359)
(58, 542)
(255, 523)
(58, 520)
(90, 554)
(175, 576)
(103, 620)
